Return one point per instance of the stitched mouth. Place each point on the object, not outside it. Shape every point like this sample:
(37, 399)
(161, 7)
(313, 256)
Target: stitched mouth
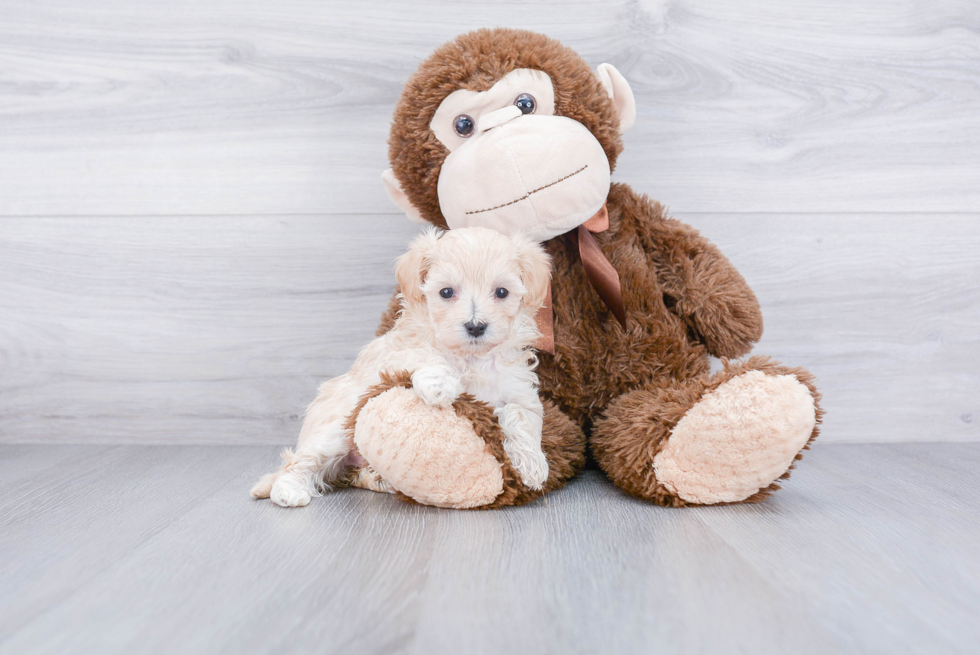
(529, 193)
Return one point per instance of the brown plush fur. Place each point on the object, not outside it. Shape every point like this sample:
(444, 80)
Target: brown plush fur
(390, 314)
(684, 301)
(563, 442)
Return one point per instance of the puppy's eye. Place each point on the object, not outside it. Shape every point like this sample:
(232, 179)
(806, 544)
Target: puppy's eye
(525, 102)
(463, 125)
(501, 293)
(446, 293)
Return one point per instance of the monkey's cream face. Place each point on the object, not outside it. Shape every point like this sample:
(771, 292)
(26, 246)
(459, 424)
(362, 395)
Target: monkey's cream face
(515, 166)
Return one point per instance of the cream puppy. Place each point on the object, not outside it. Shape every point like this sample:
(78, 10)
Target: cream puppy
(469, 297)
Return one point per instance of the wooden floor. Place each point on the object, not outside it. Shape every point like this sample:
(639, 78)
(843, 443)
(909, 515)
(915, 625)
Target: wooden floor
(132, 549)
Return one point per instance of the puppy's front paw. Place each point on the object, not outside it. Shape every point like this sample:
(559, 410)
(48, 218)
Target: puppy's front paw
(522, 442)
(290, 491)
(437, 385)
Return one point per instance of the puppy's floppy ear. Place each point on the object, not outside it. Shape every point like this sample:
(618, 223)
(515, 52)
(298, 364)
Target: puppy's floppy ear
(535, 271)
(411, 268)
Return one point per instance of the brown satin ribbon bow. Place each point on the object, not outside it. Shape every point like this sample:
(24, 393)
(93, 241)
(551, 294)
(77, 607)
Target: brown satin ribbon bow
(602, 275)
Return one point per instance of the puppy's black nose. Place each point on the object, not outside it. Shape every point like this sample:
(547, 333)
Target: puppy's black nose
(475, 329)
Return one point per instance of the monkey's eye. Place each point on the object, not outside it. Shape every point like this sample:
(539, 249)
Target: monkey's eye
(463, 125)
(525, 102)
(446, 293)
(501, 293)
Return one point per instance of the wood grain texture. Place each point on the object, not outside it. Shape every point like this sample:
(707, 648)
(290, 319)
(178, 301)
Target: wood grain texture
(869, 548)
(193, 233)
(223, 107)
(884, 309)
(189, 329)
(193, 230)
(88, 520)
(218, 329)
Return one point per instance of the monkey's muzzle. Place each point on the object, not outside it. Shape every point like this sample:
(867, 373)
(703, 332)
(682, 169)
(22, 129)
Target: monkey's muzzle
(540, 175)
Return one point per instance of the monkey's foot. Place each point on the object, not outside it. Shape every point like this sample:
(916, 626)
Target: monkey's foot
(738, 439)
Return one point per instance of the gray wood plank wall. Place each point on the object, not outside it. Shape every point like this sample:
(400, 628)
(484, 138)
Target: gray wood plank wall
(193, 231)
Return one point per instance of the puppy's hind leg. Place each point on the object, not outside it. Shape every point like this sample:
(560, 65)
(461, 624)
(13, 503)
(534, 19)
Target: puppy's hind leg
(263, 487)
(308, 471)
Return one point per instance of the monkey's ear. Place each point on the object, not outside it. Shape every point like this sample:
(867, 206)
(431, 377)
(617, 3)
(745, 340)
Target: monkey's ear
(621, 94)
(394, 190)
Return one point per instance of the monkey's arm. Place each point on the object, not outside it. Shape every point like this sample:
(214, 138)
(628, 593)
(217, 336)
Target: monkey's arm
(699, 284)
(389, 315)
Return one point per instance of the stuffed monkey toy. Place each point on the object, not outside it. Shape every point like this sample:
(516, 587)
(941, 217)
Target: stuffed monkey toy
(511, 130)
